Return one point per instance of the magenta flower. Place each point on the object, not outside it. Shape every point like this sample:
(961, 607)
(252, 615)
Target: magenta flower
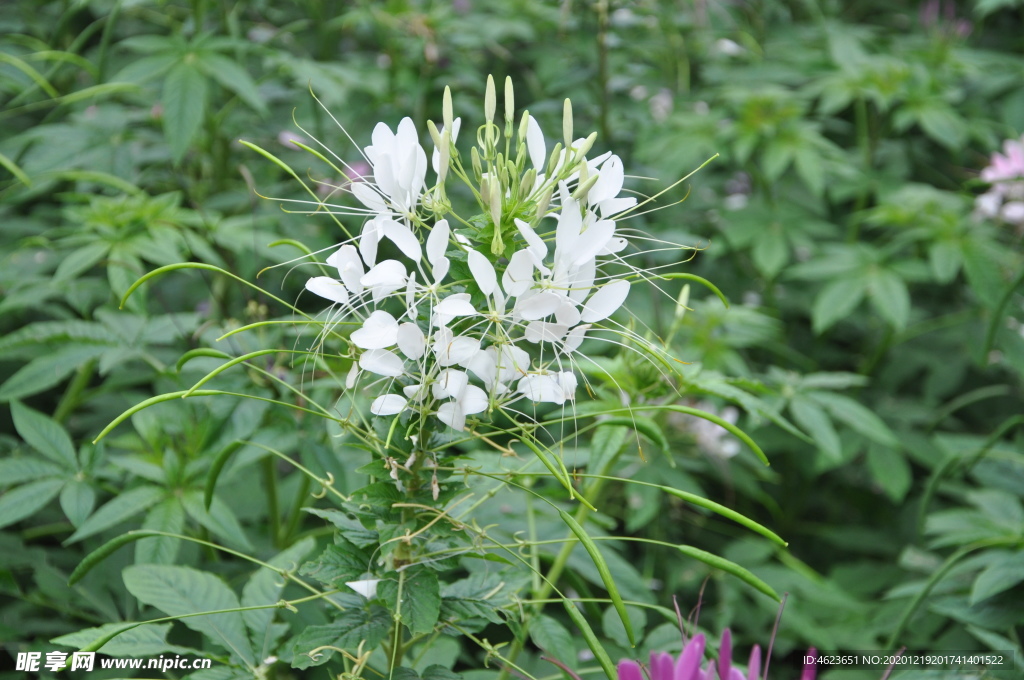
(687, 666)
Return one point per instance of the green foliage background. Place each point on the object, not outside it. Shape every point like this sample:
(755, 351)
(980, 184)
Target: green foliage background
(872, 347)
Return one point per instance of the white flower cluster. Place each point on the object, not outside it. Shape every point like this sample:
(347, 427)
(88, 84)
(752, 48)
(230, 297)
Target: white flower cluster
(531, 285)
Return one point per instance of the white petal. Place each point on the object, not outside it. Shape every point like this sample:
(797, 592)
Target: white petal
(382, 362)
(415, 392)
(575, 337)
(384, 278)
(593, 241)
(450, 383)
(451, 415)
(352, 377)
(403, 237)
(367, 588)
(483, 272)
(380, 330)
(368, 197)
(513, 362)
(535, 145)
(567, 313)
(581, 280)
(484, 367)
(350, 267)
(538, 306)
(388, 405)
(609, 182)
(437, 242)
(455, 305)
(542, 331)
(441, 268)
(567, 381)
(411, 340)
(605, 301)
(613, 206)
(369, 239)
(328, 288)
(567, 234)
(541, 388)
(518, 276)
(615, 245)
(460, 350)
(473, 400)
(534, 242)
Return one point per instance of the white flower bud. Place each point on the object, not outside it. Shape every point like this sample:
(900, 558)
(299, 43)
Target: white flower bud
(489, 100)
(510, 100)
(446, 109)
(567, 123)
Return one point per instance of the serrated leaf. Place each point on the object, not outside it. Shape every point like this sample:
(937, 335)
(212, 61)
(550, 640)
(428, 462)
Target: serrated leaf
(890, 471)
(44, 435)
(80, 260)
(169, 516)
(420, 603)
(233, 77)
(370, 626)
(183, 590)
(553, 638)
(219, 519)
(24, 501)
(889, 297)
(146, 640)
(24, 469)
(837, 300)
(119, 509)
(266, 586)
(184, 101)
(337, 564)
(771, 250)
(858, 417)
(44, 372)
(77, 500)
(812, 418)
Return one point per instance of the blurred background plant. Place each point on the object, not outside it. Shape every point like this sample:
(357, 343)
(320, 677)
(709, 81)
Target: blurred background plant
(873, 347)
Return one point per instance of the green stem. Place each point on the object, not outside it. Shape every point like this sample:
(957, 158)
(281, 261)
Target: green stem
(270, 487)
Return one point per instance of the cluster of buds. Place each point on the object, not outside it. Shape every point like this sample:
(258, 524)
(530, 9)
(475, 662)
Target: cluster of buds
(461, 315)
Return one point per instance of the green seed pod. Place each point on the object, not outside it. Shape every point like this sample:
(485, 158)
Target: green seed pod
(556, 156)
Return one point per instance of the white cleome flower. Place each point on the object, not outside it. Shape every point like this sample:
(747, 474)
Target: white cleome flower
(452, 319)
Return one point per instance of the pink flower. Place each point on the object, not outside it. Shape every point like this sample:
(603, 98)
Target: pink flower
(1008, 167)
(687, 666)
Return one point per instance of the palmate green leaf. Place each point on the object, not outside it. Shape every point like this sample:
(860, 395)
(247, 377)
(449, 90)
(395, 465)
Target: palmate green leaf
(481, 596)
(44, 435)
(553, 638)
(77, 500)
(836, 300)
(857, 416)
(27, 468)
(1001, 575)
(337, 564)
(369, 625)
(889, 296)
(771, 250)
(169, 516)
(24, 501)
(219, 519)
(231, 76)
(419, 602)
(44, 372)
(890, 470)
(147, 640)
(120, 509)
(613, 629)
(183, 590)
(813, 419)
(266, 585)
(184, 100)
(80, 260)
(56, 331)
